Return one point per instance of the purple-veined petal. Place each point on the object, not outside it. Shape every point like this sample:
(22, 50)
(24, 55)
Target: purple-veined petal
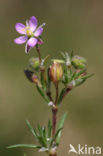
(33, 23)
(39, 30)
(32, 42)
(40, 41)
(27, 48)
(20, 28)
(20, 40)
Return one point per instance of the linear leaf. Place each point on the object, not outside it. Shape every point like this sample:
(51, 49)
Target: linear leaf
(76, 75)
(61, 96)
(60, 125)
(49, 128)
(42, 94)
(87, 76)
(44, 134)
(41, 137)
(41, 141)
(24, 145)
(31, 129)
(56, 135)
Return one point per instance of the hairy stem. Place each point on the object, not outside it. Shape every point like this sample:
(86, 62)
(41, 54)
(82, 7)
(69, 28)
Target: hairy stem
(57, 92)
(54, 115)
(55, 110)
(54, 119)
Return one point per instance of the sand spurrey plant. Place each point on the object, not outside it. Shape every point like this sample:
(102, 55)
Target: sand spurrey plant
(70, 71)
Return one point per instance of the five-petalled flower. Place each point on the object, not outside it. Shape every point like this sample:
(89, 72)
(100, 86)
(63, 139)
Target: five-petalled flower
(31, 34)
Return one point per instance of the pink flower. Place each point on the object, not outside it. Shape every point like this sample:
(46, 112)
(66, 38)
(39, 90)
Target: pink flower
(31, 34)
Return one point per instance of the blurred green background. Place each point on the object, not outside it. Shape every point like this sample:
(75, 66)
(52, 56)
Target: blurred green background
(70, 25)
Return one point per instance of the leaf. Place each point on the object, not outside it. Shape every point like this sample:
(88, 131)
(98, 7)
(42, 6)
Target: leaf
(76, 75)
(46, 59)
(44, 134)
(40, 130)
(87, 76)
(49, 128)
(79, 82)
(31, 129)
(43, 81)
(66, 75)
(61, 96)
(82, 79)
(63, 55)
(41, 137)
(41, 141)
(56, 135)
(42, 94)
(24, 145)
(60, 125)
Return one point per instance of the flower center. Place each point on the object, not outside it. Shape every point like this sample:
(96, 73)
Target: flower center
(29, 32)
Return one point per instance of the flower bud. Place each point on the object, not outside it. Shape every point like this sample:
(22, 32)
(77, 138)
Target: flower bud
(34, 63)
(79, 62)
(32, 77)
(29, 74)
(56, 72)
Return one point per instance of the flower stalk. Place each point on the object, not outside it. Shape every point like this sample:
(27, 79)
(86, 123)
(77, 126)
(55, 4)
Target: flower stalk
(39, 55)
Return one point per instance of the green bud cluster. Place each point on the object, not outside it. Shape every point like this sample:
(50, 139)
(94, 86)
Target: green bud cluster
(70, 70)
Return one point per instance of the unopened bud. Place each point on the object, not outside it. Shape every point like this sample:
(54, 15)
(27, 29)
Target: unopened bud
(36, 80)
(29, 74)
(56, 72)
(34, 62)
(79, 62)
(32, 77)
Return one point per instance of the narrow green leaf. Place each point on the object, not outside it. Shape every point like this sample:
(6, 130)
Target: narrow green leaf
(79, 73)
(60, 125)
(24, 145)
(43, 82)
(49, 128)
(61, 96)
(42, 141)
(41, 137)
(31, 129)
(56, 135)
(40, 130)
(44, 134)
(79, 82)
(42, 94)
(63, 55)
(82, 79)
(46, 59)
(87, 76)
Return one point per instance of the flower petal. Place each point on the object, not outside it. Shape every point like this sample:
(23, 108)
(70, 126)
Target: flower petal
(27, 48)
(39, 30)
(20, 40)
(20, 28)
(33, 23)
(32, 42)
